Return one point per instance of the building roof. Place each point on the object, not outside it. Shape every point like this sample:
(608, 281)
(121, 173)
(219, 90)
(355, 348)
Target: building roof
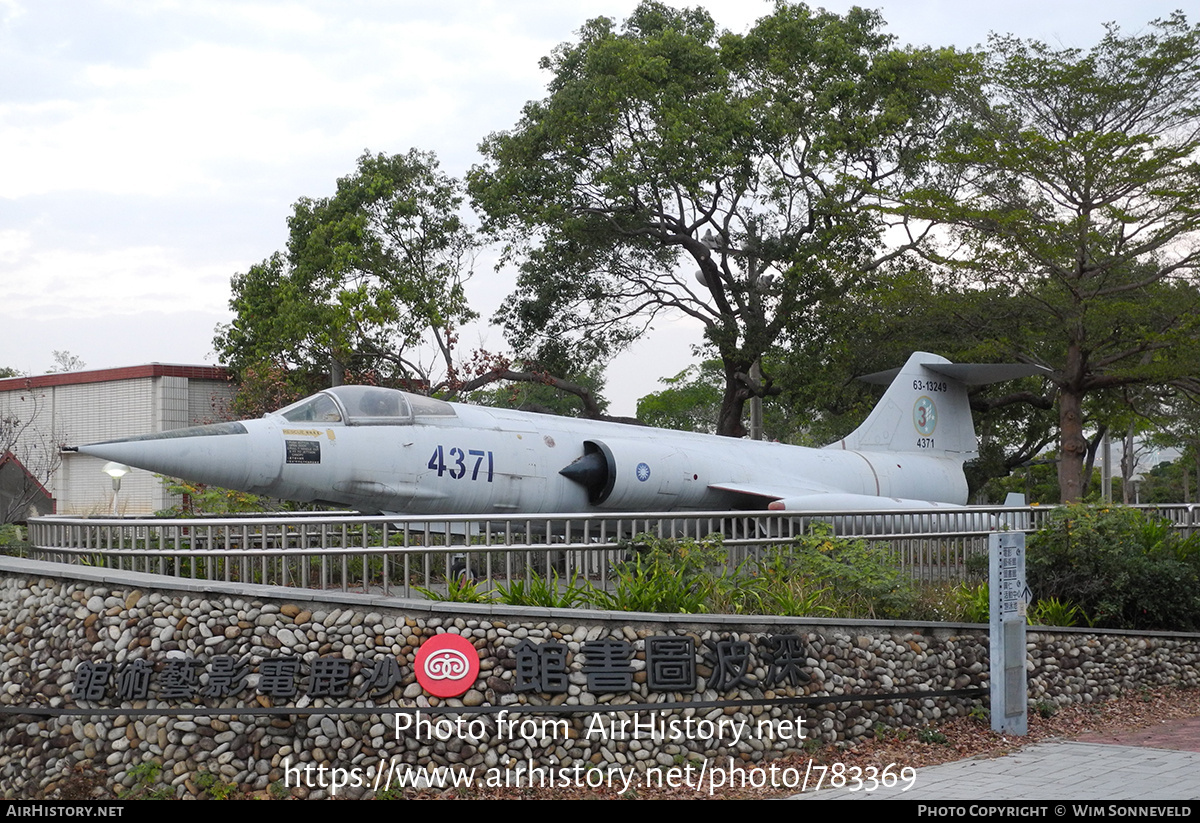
(105, 375)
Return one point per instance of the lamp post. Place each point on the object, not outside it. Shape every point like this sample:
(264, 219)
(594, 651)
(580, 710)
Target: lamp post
(116, 471)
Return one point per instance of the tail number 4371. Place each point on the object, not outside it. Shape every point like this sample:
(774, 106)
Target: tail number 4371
(475, 461)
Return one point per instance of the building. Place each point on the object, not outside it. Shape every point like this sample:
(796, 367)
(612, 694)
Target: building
(39, 415)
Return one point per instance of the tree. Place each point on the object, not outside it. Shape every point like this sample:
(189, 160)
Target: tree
(371, 284)
(1179, 427)
(876, 324)
(538, 391)
(761, 159)
(64, 361)
(690, 401)
(1081, 203)
(29, 453)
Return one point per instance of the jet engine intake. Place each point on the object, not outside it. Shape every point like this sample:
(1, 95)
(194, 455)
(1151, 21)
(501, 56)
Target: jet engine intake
(629, 475)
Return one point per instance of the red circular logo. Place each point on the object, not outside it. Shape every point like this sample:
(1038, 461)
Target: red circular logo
(447, 665)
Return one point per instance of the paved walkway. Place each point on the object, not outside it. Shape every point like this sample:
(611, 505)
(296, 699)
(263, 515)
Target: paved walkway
(1161, 763)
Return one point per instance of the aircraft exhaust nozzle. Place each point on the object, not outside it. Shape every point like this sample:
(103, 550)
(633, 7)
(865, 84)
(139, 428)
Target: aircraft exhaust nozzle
(228, 455)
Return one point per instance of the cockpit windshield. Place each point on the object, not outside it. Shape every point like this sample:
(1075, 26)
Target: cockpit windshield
(319, 408)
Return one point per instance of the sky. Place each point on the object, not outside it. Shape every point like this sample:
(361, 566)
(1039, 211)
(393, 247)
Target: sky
(151, 149)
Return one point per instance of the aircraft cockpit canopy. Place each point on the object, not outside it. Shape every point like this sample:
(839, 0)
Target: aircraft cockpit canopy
(319, 408)
(365, 406)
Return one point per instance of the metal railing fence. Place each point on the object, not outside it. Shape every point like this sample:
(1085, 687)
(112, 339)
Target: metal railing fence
(401, 556)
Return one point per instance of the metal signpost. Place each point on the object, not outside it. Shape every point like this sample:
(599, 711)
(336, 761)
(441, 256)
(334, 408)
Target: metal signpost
(1008, 596)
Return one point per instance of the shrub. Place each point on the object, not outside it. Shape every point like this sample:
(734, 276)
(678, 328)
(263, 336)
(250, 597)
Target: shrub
(459, 589)
(544, 592)
(1122, 569)
(862, 581)
(974, 602)
(663, 575)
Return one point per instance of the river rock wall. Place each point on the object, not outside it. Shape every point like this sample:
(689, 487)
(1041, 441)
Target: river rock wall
(273, 689)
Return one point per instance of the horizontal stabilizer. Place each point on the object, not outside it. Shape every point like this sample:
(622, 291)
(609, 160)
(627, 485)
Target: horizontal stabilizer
(970, 374)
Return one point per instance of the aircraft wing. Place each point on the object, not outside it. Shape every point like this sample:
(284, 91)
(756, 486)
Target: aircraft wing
(761, 494)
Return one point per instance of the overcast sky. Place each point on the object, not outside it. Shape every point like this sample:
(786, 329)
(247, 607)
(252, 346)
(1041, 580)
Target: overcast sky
(150, 149)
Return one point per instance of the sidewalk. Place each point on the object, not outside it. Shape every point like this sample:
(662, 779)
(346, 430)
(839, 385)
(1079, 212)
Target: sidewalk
(1160, 763)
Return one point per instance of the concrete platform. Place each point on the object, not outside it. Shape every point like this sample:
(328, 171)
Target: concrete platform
(1159, 763)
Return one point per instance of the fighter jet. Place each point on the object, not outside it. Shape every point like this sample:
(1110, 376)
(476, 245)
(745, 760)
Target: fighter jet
(380, 450)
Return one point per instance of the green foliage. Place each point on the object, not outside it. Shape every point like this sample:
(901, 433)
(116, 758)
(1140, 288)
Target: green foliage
(973, 602)
(819, 575)
(1054, 612)
(200, 499)
(1044, 708)
(459, 589)
(1122, 569)
(1178, 424)
(371, 284)
(1080, 206)
(863, 581)
(795, 597)
(672, 576)
(215, 787)
(691, 400)
(544, 592)
(1038, 481)
(13, 539)
(875, 324)
(932, 736)
(1167, 482)
(145, 775)
(664, 146)
(266, 387)
(545, 397)
(389, 793)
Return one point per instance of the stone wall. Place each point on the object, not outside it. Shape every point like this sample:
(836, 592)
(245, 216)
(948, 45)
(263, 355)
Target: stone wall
(59, 627)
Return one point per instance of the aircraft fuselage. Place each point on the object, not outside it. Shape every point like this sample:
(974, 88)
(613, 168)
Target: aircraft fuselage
(381, 450)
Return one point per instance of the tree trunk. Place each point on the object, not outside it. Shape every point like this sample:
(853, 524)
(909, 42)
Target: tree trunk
(1074, 445)
(733, 403)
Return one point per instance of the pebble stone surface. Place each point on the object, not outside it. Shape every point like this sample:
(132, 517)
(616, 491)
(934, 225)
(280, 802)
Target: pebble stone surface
(50, 623)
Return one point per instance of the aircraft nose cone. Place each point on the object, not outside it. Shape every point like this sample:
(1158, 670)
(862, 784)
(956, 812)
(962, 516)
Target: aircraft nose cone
(230, 455)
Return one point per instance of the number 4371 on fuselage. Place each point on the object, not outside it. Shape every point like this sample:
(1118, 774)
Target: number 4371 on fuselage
(381, 450)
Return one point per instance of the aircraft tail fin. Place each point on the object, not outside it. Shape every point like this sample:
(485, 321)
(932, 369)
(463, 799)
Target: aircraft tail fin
(925, 409)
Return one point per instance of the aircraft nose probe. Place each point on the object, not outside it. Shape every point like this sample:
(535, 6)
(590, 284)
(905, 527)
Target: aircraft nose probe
(220, 454)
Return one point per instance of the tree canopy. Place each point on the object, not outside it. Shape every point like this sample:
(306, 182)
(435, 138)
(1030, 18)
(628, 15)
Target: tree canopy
(1080, 201)
(371, 283)
(764, 160)
(776, 187)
